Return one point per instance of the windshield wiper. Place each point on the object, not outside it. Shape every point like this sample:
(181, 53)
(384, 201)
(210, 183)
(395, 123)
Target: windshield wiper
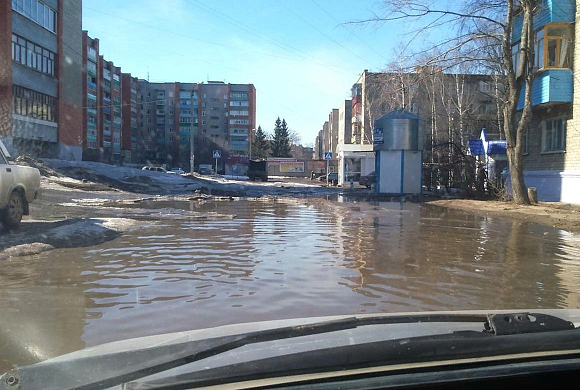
(104, 371)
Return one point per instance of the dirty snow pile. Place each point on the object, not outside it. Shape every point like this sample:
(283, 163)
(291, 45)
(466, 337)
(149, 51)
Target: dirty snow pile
(85, 232)
(116, 172)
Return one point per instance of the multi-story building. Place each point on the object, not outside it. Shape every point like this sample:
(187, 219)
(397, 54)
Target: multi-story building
(92, 112)
(242, 117)
(132, 145)
(449, 116)
(207, 115)
(552, 142)
(41, 94)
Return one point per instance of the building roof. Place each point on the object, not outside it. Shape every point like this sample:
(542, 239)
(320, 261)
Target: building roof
(476, 147)
(399, 114)
(497, 147)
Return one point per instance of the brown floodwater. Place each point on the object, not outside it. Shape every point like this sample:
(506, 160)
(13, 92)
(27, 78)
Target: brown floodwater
(278, 259)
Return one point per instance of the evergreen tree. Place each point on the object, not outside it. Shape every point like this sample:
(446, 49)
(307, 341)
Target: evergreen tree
(260, 144)
(281, 141)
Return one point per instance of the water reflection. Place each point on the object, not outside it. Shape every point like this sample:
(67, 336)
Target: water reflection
(273, 259)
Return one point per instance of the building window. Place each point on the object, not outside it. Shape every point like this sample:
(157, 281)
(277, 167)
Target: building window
(554, 135)
(36, 11)
(525, 141)
(484, 87)
(214, 108)
(171, 129)
(170, 112)
(553, 47)
(239, 122)
(239, 95)
(34, 104)
(215, 100)
(558, 50)
(516, 56)
(171, 138)
(149, 121)
(215, 118)
(33, 56)
(170, 94)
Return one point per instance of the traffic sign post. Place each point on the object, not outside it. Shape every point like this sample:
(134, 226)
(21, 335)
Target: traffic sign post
(327, 157)
(217, 154)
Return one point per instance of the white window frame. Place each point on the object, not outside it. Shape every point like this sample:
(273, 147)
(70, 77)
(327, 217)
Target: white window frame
(559, 148)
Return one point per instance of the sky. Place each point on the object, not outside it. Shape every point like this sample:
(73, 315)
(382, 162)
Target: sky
(299, 54)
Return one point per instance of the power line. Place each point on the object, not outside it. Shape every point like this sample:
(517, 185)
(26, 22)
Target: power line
(192, 37)
(355, 35)
(320, 31)
(269, 39)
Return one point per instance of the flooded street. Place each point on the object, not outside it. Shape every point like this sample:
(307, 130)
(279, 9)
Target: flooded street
(253, 260)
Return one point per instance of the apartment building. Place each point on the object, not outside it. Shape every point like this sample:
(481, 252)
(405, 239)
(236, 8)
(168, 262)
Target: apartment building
(212, 115)
(92, 112)
(41, 94)
(242, 117)
(132, 145)
(449, 116)
(552, 142)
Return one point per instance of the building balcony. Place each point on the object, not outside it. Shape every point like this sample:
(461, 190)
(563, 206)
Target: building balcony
(239, 143)
(185, 115)
(107, 132)
(161, 141)
(549, 11)
(91, 84)
(92, 111)
(160, 112)
(107, 110)
(107, 100)
(185, 106)
(551, 86)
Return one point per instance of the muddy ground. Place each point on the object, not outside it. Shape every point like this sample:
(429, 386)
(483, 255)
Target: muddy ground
(559, 215)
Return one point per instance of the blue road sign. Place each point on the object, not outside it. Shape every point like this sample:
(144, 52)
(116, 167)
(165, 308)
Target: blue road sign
(328, 155)
(217, 154)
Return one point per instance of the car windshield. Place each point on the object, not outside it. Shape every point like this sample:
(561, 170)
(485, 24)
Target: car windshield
(189, 164)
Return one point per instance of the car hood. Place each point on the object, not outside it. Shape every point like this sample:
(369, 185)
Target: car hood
(264, 350)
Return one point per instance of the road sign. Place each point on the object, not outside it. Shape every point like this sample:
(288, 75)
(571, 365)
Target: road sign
(378, 136)
(217, 154)
(328, 155)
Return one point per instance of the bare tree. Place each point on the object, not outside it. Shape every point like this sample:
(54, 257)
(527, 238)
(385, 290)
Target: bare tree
(484, 40)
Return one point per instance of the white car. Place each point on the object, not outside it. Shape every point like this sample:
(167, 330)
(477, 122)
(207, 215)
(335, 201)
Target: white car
(19, 185)
(177, 171)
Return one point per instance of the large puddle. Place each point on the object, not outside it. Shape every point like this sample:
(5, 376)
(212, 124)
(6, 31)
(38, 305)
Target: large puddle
(278, 259)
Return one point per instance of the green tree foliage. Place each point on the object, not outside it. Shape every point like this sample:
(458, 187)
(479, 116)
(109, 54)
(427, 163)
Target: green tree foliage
(281, 142)
(260, 145)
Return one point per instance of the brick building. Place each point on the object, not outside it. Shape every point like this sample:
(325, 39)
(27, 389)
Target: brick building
(552, 142)
(41, 93)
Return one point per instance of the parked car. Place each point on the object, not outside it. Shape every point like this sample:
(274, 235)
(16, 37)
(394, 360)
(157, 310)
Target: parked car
(19, 185)
(368, 180)
(146, 168)
(176, 171)
(158, 169)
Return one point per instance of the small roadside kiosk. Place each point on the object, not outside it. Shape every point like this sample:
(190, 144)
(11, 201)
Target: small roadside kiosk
(398, 140)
